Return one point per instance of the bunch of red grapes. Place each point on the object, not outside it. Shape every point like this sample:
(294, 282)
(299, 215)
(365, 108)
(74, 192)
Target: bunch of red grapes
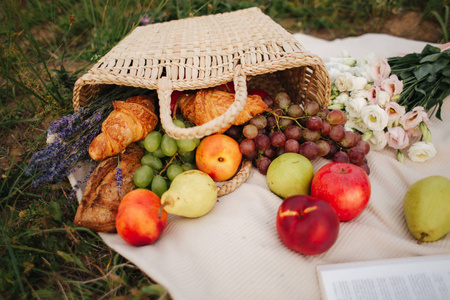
(305, 129)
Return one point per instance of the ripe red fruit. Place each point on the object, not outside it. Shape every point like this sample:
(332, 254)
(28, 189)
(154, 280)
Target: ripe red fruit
(307, 225)
(346, 187)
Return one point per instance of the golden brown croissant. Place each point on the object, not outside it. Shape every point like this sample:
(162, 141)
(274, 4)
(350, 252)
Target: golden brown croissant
(98, 207)
(211, 103)
(130, 121)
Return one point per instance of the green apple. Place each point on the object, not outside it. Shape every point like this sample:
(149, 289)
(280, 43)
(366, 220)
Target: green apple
(290, 174)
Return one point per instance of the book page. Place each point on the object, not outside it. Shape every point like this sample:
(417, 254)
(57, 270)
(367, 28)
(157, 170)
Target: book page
(423, 277)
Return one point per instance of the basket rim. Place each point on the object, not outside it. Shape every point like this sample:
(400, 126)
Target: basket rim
(199, 68)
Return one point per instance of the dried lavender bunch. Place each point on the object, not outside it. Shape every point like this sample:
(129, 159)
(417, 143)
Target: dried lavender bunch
(70, 137)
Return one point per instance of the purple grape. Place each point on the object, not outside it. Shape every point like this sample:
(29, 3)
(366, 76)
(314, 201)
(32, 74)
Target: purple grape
(350, 139)
(262, 164)
(314, 123)
(333, 150)
(277, 139)
(271, 122)
(336, 116)
(323, 113)
(309, 150)
(356, 155)
(366, 168)
(234, 132)
(291, 146)
(262, 142)
(252, 156)
(293, 132)
(337, 133)
(270, 153)
(341, 156)
(268, 100)
(326, 128)
(247, 147)
(365, 146)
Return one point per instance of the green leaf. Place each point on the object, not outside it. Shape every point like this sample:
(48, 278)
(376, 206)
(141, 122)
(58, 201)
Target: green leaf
(429, 49)
(153, 289)
(438, 65)
(419, 90)
(446, 71)
(430, 58)
(423, 71)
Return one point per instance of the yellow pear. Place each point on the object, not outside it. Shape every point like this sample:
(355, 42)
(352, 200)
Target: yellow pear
(427, 208)
(191, 194)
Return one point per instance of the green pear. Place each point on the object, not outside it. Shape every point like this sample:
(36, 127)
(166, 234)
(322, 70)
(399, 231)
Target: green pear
(191, 194)
(427, 208)
(290, 174)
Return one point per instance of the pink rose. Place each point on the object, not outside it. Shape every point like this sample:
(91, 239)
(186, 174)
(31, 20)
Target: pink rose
(397, 138)
(413, 118)
(392, 85)
(380, 70)
(395, 111)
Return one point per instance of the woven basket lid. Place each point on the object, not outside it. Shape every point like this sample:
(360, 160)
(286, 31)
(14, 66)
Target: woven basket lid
(202, 52)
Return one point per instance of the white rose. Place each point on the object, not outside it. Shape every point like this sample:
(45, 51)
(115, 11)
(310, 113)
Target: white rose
(344, 82)
(359, 94)
(354, 106)
(351, 124)
(333, 73)
(358, 83)
(362, 71)
(421, 151)
(341, 98)
(378, 140)
(374, 117)
(383, 98)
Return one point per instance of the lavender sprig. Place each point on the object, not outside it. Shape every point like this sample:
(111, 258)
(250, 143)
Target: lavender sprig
(72, 136)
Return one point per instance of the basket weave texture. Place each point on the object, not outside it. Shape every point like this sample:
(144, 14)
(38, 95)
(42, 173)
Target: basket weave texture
(207, 51)
(202, 52)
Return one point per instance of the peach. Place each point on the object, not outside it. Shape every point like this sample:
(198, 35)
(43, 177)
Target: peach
(139, 220)
(219, 156)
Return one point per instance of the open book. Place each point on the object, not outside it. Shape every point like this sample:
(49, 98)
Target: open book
(422, 277)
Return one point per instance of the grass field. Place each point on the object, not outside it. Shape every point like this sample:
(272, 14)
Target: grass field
(45, 46)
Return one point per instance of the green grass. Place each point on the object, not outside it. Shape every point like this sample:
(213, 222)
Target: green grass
(44, 47)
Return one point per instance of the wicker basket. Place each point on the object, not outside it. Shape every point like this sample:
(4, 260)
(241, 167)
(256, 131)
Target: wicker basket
(204, 52)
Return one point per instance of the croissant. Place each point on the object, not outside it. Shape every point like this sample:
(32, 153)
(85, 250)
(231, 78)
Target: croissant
(100, 202)
(130, 121)
(208, 104)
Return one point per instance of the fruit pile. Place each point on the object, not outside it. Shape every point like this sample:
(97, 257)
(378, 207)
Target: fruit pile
(305, 129)
(165, 158)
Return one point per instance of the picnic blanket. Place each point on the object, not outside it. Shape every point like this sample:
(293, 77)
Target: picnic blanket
(234, 252)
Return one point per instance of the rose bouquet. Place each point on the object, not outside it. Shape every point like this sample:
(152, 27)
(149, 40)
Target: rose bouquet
(369, 92)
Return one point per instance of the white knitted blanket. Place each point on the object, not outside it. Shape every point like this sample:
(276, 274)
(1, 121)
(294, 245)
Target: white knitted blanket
(234, 252)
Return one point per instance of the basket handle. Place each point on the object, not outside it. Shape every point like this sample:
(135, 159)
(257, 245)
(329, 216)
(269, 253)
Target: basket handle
(165, 91)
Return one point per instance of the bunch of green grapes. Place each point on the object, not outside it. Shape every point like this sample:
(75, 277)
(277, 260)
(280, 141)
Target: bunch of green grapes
(164, 159)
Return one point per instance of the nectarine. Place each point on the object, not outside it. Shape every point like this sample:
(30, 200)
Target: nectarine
(138, 220)
(219, 156)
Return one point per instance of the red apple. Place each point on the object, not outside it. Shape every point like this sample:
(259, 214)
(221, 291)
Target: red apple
(139, 220)
(343, 185)
(307, 225)
(219, 156)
